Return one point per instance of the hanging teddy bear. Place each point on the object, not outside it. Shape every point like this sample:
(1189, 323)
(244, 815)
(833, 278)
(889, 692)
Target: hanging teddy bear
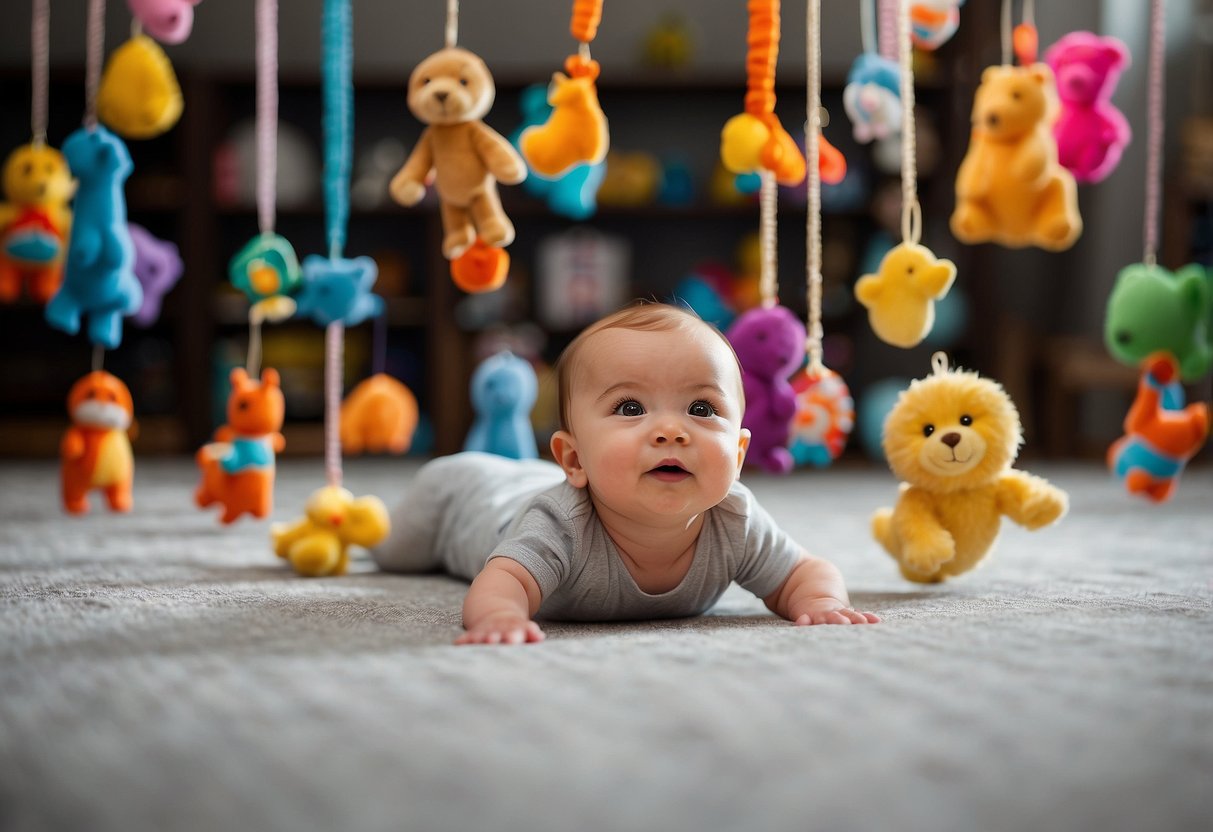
(450, 91)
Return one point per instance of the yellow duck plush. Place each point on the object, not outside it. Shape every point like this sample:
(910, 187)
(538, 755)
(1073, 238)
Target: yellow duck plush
(576, 131)
(951, 439)
(334, 520)
(1010, 188)
(900, 297)
(139, 97)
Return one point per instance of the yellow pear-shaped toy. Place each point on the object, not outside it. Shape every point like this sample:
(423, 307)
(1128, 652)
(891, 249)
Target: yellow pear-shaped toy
(139, 97)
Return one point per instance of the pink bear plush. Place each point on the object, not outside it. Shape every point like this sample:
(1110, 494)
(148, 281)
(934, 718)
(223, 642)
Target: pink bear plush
(1090, 132)
(770, 346)
(168, 21)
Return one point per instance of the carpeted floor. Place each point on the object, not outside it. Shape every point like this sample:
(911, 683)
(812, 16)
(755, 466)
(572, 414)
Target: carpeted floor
(160, 672)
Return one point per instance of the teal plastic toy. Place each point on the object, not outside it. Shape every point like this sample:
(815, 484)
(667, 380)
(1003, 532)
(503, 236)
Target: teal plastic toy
(267, 271)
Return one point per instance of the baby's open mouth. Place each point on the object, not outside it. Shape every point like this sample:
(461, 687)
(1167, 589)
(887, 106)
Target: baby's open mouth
(670, 472)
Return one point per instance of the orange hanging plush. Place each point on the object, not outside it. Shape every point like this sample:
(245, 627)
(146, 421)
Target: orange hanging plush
(378, 416)
(1010, 188)
(96, 450)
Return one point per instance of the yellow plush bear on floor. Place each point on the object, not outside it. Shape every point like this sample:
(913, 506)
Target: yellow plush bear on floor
(450, 91)
(1010, 188)
(900, 297)
(951, 438)
(319, 543)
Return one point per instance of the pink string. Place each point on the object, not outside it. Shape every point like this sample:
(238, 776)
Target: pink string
(887, 28)
(1156, 97)
(40, 51)
(96, 50)
(334, 336)
(267, 112)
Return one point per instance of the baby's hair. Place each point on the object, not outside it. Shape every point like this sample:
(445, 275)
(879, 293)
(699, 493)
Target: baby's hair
(642, 316)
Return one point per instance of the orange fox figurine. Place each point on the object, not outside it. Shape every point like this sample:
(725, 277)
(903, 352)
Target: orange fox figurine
(1160, 437)
(378, 416)
(238, 467)
(96, 450)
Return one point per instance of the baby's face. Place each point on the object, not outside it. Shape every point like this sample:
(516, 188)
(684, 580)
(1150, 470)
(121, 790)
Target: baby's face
(655, 419)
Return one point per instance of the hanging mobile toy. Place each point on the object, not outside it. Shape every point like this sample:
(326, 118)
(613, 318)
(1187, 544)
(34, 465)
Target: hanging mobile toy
(96, 450)
(1091, 133)
(450, 91)
(576, 131)
(934, 22)
(900, 297)
(158, 267)
(139, 96)
(871, 97)
(825, 412)
(35, 217)
(1010, 188)
(574, 193)
(319, 543)
(168, 21)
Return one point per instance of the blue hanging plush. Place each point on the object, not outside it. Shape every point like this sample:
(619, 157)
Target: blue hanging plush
(338, 289)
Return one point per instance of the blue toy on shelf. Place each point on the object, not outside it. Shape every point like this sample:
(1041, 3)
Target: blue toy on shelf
(504, 389)
(99, 271)
(338, 289)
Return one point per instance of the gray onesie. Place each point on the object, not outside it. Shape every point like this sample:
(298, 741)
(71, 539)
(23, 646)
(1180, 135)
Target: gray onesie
(464, 509)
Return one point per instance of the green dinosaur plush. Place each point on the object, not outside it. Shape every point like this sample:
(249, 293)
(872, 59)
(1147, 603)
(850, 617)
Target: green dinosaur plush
(1152, 309)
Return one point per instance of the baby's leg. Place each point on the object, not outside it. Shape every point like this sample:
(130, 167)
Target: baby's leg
(411, 544)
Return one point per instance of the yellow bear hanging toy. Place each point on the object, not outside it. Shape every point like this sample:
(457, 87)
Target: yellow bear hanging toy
(900, 297)
(139, 97)
(1010, 188)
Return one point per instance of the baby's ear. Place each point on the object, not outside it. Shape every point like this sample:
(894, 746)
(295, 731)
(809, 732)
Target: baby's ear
(743, 445)
(564, 451)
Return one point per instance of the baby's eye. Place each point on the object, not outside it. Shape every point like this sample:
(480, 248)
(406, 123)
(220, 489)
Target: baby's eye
(966, 420)
(629, 407)
(927, 430)
(701, 409)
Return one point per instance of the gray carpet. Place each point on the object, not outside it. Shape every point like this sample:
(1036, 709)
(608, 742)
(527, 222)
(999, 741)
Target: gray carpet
(160, 672)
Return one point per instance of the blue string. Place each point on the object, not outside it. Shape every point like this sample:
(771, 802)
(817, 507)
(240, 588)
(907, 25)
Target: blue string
(338, 120)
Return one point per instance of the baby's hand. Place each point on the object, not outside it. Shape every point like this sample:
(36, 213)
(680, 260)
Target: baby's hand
(833, 611)
(504, 628)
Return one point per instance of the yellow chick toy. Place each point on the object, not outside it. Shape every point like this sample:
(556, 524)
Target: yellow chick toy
(901, 296)
(139, 96)
(575, 132)
(334, 520)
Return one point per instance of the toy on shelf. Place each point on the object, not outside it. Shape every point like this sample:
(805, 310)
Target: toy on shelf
(238, 467)
(1010, 188)
(96, 450)
(630, 180)
(168, 21)
(900, 298)
(872, 99)
(378, 416)
(951, 439)
(934, 22)
(504, 389)
(669, 43)
(576, 130)
(1161, 436)
(98, 276)
(1151, 308)
(450, 91)
(34, 222)
(139, 96)
(1091, 133)
(769, 342)
(158, 267)
(318, 545)
(572, 194)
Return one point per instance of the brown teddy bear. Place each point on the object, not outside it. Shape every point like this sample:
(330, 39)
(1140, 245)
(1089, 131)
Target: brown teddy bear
(951, 439)
(450, 91)
(1010, 188)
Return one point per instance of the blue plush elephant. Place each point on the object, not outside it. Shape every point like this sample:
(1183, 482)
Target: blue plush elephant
(504, 389)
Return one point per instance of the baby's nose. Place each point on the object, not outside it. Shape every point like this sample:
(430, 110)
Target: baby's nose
(950, 439)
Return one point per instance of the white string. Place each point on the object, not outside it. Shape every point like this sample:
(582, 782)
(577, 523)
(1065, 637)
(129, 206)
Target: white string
(40, 51)
(95, 52)
(1155, 98)
(812, 146)
(98, 357)
(768, 286)
(911, 212)
(252, 364)
(266, 22)
(452, 23)
(583, 51)
(867, 25)
(939, 363)
(1029, 12)
(1006, 33)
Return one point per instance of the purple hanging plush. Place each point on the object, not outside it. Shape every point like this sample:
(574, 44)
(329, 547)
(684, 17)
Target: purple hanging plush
(769, 342)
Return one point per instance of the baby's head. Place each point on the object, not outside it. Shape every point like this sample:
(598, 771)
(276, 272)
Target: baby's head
(651, 401)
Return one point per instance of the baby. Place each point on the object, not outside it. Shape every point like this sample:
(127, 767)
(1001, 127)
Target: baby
(643, 517)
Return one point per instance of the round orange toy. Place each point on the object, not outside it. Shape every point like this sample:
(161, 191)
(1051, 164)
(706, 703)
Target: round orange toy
(482, 268)
(378, 416)
(95, 452)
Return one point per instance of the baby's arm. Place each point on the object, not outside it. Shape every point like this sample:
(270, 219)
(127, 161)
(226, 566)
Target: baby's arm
(499, 606)
(814, 593)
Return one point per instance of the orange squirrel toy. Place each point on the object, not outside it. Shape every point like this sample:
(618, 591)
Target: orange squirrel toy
(238, 467)
(378, 416)
(96, 450)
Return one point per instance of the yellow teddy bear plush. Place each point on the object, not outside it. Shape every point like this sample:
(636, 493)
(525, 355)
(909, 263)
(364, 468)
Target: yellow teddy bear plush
(951, 438)
(319, 543)
(450, 91)
(1010, 188)
(35, 222)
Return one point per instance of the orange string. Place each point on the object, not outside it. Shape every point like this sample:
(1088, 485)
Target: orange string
(763, 42)
(587, 14)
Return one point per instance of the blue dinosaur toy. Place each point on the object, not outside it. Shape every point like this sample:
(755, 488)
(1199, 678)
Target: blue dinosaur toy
(574, 194)
(99, 270)
(338, 290)
(504, 389)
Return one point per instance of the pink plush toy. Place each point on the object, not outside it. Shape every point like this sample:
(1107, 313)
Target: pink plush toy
(770, 345)
(168, 21)
(1091, 133)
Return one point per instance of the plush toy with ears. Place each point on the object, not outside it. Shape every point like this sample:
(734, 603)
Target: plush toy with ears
(319, 543)
(1091, 133)
(770, 346)
(34, 222)
(504, 389)
(451, 91)
(951, 439)
(96, 450)
(1010, 188)
(1151, 309)
(872, 98)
